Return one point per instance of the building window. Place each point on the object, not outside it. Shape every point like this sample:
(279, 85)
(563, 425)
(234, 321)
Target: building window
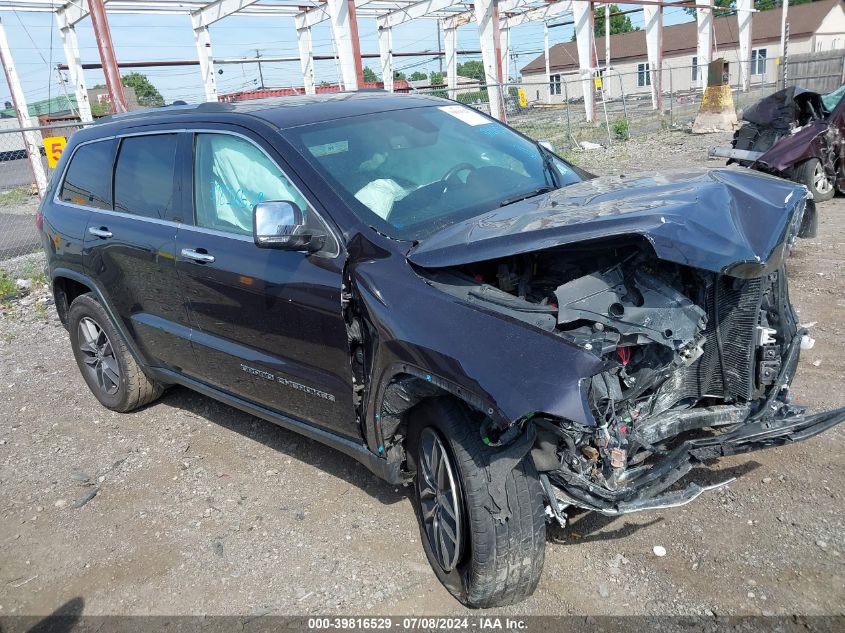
(554, 84)
(643, 75)
(694, 69)
(758, 61)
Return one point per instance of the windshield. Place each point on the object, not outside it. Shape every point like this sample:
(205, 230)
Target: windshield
(410, 173)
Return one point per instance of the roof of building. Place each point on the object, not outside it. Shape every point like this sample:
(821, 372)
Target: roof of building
(804, 20)
(56, 105)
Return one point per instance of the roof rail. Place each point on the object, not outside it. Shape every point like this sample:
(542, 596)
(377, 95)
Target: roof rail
(176, 107)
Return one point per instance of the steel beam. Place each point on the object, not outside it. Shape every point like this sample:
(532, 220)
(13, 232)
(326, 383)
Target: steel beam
(32, 138)
(102, 33)
(385, 48)
(450, 41)
(306, 59)
(74, 69)
(202, 39)
(413, 11)
(548, 63)
(587, 63)
(218, 10)
(487, 17)
(745, 10)
(345, 32)
(653, 18)
(547, 12)
(704, 20)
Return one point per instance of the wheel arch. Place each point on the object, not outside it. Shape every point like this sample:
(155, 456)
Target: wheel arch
(403, 388)
(68, 285)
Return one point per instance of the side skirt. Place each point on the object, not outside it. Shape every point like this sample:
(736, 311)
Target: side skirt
(390, 472)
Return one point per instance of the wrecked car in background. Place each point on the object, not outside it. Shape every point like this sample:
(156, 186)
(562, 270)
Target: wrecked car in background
(423, 288)
(795, 134)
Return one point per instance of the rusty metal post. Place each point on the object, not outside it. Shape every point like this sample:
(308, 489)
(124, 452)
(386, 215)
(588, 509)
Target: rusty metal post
(100, 23)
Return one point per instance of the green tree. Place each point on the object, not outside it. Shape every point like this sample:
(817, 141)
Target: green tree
(436, 79)
(146, 93)
(418, 76)
(369, 75)
(618, 23)
(398, 74)
(472, 69)
(728, 7)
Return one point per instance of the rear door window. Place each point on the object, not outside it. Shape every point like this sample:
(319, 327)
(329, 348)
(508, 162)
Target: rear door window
(88, 177)
(145, 176)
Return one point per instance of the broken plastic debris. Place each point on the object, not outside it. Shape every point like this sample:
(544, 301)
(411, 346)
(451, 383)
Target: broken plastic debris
(659, 551)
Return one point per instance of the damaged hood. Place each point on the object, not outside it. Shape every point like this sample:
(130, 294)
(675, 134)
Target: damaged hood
(721, 220)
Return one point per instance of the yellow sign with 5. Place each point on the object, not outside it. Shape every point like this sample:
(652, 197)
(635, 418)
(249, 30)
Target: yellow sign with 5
(54, 146)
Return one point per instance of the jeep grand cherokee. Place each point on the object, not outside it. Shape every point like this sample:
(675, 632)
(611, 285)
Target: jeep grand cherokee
(427, 290)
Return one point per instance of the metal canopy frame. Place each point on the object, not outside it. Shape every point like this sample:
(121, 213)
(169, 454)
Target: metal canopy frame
(494, 19)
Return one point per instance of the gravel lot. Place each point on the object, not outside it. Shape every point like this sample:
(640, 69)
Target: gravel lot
(201, 509)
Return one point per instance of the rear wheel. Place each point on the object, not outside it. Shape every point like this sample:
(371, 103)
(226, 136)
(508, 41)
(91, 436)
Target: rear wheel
(811, 174)
(104, 360)
(485, 555)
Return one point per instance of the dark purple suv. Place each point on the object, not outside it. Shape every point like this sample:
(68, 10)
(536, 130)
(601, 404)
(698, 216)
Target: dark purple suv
(427, 290)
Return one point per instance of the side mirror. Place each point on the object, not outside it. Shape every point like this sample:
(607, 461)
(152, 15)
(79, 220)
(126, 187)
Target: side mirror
(281, 225)
(547, 144)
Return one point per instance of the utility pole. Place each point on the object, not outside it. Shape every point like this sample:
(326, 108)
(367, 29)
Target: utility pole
(439, 47)
(260, 74)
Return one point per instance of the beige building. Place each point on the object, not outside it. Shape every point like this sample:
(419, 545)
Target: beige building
(816, 26)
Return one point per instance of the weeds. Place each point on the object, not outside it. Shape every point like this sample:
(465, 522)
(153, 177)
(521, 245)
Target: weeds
(15, 197)
(621, 129)
(8, 289)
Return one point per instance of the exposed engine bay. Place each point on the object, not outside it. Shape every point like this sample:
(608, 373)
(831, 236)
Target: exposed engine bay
(686, 354)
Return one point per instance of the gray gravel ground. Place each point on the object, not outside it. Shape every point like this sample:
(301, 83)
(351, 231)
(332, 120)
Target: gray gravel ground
(190, 507)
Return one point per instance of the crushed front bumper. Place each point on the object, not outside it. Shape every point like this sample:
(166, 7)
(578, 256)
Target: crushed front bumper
(640, 488)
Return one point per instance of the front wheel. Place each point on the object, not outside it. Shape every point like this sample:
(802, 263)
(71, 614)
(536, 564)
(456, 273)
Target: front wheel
(811, 174)
(484, 554)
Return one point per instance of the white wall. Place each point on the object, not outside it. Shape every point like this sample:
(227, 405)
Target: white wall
(677, 73)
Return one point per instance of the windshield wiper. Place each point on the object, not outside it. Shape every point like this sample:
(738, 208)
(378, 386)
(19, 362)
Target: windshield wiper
(549, 166)
(524, 196)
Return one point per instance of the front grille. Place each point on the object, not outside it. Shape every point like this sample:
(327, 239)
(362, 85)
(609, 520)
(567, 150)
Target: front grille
(738, 309)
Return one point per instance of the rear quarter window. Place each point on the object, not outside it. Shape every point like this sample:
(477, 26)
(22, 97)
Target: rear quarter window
(87, 179)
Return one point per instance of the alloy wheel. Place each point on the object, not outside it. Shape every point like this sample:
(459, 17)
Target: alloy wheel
(98, 355)
(440, 502)
(820, 179)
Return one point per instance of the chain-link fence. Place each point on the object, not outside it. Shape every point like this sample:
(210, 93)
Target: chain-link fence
(19, 193)
(544, 110)
(625, 107)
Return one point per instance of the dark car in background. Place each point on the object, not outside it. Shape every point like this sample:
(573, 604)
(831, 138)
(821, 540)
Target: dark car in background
(795, 134)
(423, 288)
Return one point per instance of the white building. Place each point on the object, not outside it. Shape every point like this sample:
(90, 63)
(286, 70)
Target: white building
(816, 26)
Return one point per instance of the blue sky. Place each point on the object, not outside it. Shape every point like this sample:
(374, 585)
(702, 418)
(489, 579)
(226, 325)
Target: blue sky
(36, 48)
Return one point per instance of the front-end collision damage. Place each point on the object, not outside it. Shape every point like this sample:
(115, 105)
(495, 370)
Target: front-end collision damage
(693, 364)
(629, 342)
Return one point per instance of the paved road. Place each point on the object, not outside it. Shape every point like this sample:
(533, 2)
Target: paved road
(15, 173)
(17, 235)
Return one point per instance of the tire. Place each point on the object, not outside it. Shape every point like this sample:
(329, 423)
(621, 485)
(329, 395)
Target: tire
(105, 362)
(498, 559)
(810, 174)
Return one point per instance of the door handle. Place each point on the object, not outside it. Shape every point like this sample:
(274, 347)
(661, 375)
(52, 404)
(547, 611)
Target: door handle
(197, 256)
(102, 232)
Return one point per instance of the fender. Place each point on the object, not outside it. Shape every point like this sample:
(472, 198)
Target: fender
(89, 282)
